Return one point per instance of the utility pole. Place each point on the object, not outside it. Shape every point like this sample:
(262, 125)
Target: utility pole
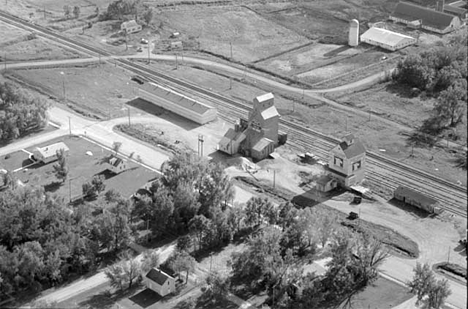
(230, 43)
(274, 179)
(200, 145)
(69, 189)
(128, 110)
(176, 62)
(149, 47)
(5, 60)
(230, 83)
(69, 125)
(448, 258)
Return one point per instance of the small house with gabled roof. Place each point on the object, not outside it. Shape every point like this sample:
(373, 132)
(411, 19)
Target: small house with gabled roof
(49, 153)
(160, 282)
(347, 161)
(116, 165)
(426, 18)
(130, 26)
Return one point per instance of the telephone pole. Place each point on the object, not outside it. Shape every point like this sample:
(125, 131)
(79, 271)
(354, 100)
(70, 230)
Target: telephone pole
(200, 145)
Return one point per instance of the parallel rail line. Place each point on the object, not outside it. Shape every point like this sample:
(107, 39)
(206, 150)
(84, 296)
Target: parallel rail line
(451, 196)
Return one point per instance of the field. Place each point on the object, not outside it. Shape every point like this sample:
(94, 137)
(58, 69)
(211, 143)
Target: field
(82, 168)
(99, 91)
(252, 36)
(37, 49)
(10, 35)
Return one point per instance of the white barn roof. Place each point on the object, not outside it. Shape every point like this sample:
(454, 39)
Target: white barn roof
(386, 37)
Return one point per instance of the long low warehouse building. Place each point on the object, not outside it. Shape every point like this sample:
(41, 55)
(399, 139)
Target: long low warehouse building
(178, 103)
(387, 39)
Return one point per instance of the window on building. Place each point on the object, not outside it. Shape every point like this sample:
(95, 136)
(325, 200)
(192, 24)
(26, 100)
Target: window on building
(357, 165)
(338, 161)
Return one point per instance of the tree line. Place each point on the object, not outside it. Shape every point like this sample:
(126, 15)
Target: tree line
(121, 9)
(20, 113)
(441, 72)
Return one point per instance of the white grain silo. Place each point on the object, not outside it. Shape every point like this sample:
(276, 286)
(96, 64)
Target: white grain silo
(353, 39)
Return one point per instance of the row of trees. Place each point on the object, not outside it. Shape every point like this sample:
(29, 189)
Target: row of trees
(121, 8)
(19, 113)
(68, 11)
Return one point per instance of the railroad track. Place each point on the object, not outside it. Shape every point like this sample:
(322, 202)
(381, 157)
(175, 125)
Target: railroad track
(451, 196)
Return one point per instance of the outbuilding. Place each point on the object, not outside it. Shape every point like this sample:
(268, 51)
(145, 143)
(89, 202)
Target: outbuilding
(325, 183)
(425, 18)
(116, 165)
(178, 103)
(48, 154)
(160, 282)
(387, 39)
(130, 26)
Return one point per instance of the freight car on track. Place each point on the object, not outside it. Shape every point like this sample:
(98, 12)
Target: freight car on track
(417, 199)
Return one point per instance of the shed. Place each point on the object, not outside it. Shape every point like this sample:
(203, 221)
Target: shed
(325, 183)
(48, 153)
(262, 148)
(387, 39)
(160, 282)
(430, 19)
(231, 141)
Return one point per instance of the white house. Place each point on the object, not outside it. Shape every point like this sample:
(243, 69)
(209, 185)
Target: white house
(48, 154)
(130, 26)
(116, 165)
(159, 281)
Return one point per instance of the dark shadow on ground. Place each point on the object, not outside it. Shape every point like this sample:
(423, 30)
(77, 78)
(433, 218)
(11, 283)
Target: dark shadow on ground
(336, 51)
(107, 174)
(403, 91)
(152, 109)
(313, 197)
(53, 186)
(146, 298)
(410, 209)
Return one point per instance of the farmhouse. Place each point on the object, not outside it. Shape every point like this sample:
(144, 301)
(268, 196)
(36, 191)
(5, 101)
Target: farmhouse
(347, 161)
(425, 18)
(178, 103)
(116, 165)
(258, 136)
(387, 39)
(160, 282)
(48, 154)
(130, 26)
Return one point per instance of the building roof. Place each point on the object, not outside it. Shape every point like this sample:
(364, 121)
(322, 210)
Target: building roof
(261, 144)
(351, 146)
(324, 179)
(158, 276)
(177, 98)
(429, 17)
(232, 135)
(401, 190)
(384, 36)
(115, 161)
(455, 9)
(51, 150)
(265, 97)
(130, 24)
(270, 112)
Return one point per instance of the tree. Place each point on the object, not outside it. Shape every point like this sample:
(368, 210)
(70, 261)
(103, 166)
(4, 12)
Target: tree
(256, 209)
(148, 16)
(423, 280)
(112, 196)
(76, 11)
(218, 287)
(438, 293)
(125, 272)
(116, 147)
(150, 260)
(119, 8)
(10, 180)
(184, 243)
(180, 261)
(67, 11)
(61, 168)
(199, 226)
(451, 105)
(93, 188)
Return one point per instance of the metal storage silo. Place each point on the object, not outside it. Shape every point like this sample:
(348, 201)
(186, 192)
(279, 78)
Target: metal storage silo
(353, 39)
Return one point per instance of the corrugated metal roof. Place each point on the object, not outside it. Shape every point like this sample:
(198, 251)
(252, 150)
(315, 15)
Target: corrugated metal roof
(177, 98)
(261, 144)
(385, 36)
(401, 190)
(429, 17)
(270, 112)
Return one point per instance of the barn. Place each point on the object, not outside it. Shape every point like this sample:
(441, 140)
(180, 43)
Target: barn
(387, 39)
(178, 103)
(426, 18)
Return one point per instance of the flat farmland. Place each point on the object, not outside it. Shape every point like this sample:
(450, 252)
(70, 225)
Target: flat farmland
(99, 90)
(10, 34)
(57, 5)
(215, 28)
(38, 49)
(82, 168)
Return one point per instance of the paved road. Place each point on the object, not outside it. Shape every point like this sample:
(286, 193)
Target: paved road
(316, 94)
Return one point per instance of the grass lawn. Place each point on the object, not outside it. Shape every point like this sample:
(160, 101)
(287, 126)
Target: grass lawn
(383, 293)
(82, 169)
(9, 34)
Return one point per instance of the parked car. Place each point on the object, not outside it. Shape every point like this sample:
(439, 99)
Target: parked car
(353, 215)
(144, 41)
(356, 200)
